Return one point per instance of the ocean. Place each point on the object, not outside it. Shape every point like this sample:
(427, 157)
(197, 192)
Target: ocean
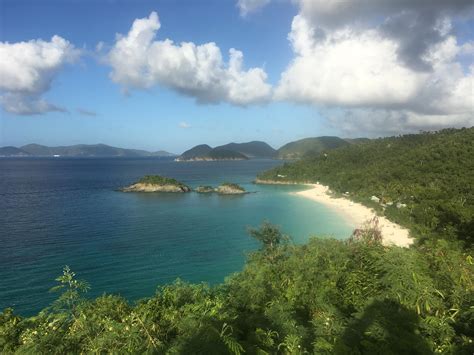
(67, 211)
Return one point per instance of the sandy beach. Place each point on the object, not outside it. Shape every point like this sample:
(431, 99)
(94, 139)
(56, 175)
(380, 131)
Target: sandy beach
(358, 214)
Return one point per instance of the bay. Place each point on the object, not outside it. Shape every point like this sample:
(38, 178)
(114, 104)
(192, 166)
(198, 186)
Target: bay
(67, 211)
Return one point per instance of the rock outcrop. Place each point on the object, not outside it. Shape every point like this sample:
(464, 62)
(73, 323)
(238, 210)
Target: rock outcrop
(230, 189)
(156, 183)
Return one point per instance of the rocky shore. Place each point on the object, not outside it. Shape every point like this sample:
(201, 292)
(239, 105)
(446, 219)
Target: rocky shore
(142, 187)
(230, 189)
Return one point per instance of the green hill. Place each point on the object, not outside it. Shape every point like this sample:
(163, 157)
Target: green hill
(431, 173)
(12, 152)
(205, 152)
(195, 152)
(226, 154)
(254, 149)
(88, 150)
(302, 147)
(357, 140)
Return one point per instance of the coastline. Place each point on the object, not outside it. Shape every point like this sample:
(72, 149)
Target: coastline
(357, 214)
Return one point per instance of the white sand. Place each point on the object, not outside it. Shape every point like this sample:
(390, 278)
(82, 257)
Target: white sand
(357, 214)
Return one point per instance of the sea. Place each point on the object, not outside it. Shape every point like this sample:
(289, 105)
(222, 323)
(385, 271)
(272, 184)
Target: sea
(68, 211)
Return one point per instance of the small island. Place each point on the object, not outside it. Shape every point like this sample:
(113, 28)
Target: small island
(156, 183)
(204, 152)
(228, 188)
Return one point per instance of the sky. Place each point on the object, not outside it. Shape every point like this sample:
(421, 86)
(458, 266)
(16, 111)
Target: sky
(170, 74)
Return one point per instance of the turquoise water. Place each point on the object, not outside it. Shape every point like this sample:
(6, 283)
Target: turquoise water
(67, 211)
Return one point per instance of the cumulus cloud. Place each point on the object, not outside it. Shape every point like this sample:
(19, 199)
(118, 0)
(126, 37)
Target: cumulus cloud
(380, 65)
(248, 6)
(199, 71)
(345, 68)
(27, 70)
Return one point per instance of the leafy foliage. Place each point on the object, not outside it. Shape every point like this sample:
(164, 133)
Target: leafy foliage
(328, 296)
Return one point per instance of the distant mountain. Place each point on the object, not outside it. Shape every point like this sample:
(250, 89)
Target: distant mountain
(12, 152)
(80, 150)
(225, 154)
(162, 153)
(254, 149)
(195, 152)
(205, 152)
(302, 147)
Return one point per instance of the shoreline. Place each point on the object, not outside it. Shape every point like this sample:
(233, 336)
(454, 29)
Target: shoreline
(357, 214)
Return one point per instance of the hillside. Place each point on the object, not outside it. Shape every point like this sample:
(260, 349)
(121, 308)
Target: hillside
(85, 150)
(194, 152)
(430, 173)
(357, 140)
(205, 152)
(254, 149)
(162, 153)
(12, 152)
(302, 147)
(225, 154)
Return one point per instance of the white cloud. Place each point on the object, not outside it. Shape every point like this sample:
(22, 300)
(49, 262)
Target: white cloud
(248, 6)
(376, 77)
(345, 68)
(27, 70)
(184, 125)
(199, 71)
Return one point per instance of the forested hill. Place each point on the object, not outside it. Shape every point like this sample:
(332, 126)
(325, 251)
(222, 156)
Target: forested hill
(254, 149)
(431, 173)
(301, 148)
(79, 150)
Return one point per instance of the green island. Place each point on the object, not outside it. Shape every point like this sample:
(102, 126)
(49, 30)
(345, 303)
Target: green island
(329, 296)
(203, 152)
(157, 183)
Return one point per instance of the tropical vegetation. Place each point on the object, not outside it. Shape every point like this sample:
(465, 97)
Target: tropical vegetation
(328, 296)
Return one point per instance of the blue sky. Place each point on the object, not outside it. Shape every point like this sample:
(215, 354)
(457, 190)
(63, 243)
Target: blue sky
(158, 115)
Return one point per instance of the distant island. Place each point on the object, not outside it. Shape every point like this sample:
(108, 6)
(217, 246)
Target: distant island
(79, 150)
(256, 149)
(231, 151)
(203, 152)
(156, 183)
